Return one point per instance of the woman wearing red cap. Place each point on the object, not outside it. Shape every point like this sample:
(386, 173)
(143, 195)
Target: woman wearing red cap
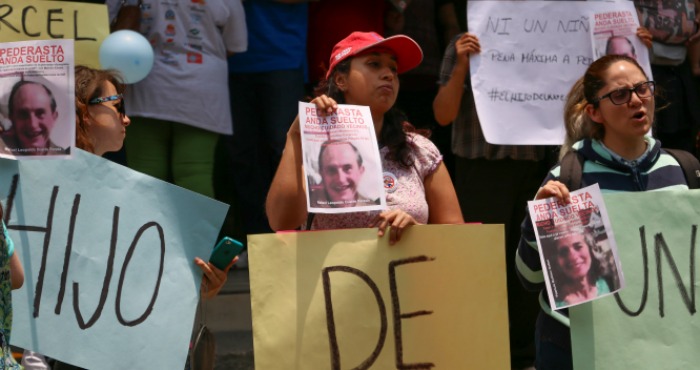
(364, 70)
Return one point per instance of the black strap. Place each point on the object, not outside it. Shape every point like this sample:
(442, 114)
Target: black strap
(689, 164)
(571, 170)
(309, 220)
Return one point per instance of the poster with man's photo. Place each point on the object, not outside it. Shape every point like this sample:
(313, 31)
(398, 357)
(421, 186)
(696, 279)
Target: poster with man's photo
(341, 160)
(37, 103)
(577, 248)
(615, 33)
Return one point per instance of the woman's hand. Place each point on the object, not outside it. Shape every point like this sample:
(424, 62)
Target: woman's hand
(213, 279)
(644, 36)
(325, 104)
(467, 44)
(397, 219)
(553, 189)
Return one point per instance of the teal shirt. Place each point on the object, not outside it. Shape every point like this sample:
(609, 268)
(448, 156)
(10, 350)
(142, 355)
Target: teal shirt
(601, 285)
(6, 250)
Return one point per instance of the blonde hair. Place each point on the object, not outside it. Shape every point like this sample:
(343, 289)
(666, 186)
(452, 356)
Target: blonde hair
(577, 123)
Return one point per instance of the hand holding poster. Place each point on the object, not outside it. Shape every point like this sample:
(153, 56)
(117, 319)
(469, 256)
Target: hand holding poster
(577, 247)
(37, 78)
(341, 160)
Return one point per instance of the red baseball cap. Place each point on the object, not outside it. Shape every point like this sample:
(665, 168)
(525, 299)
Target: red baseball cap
(408, 53)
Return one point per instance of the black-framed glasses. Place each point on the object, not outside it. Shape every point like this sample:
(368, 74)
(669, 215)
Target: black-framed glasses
(120, 106)
(623, 96)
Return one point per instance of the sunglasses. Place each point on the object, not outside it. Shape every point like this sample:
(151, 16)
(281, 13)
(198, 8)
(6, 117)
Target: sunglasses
(119, 106)
(623, 96)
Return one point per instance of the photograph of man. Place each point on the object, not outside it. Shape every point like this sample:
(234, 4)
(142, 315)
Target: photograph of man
(32, 111)
(620, 45)
(341, 169)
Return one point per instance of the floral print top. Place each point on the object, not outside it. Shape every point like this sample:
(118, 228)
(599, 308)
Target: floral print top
(6, 250)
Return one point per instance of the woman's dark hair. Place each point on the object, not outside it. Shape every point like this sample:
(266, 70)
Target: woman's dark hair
(89, 85)
(393, 133)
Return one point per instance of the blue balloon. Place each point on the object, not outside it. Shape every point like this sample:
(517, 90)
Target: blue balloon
(129, 53)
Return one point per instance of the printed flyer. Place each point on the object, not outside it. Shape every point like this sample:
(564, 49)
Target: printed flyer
(37, 108)
(341, 160)
(614, 32)
(577, 248)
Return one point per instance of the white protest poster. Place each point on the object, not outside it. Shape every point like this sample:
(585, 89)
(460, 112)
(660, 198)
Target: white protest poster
(532, 52)
(108, 254)
(37, 106)
(577, 247)
(341, 160)
(615, 32)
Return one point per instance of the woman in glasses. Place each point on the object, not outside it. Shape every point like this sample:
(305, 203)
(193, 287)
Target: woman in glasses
(608, 113)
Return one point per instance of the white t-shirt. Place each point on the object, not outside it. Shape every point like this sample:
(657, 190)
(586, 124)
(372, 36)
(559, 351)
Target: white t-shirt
(189, 79)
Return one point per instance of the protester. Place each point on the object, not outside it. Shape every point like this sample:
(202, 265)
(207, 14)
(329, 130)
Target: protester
(13, 278)
(266, 84)
(100, 124)
(576, 273)
(32, 110)
(182, 106)
(609, 111)
(432, 24)
(364, 70)
(514, 172)
(673, 26)
(341, 169)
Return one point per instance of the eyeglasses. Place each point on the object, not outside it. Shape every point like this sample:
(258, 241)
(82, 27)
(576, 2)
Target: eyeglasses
(623, 96)
(120, 106)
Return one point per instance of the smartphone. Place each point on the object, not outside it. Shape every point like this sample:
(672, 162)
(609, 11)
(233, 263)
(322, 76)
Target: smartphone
(225, 251)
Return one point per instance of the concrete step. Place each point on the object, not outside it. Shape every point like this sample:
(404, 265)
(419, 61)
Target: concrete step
(228, 316)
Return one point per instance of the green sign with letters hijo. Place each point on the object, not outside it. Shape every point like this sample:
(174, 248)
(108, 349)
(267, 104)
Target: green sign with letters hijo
(651, 324)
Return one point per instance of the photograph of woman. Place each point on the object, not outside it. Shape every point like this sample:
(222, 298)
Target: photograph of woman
(576, 274)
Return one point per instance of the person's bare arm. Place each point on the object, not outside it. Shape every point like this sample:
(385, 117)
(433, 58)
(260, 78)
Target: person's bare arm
(442, 198)
(448, 99)
(16, 272)
(286, 200)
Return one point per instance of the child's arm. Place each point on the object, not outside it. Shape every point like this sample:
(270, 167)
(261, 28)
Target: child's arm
(16, 272)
